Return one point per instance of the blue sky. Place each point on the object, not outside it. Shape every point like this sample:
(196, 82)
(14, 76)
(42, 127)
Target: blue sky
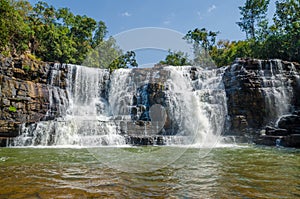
(183, 15)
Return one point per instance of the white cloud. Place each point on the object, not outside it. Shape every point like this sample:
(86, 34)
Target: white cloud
(211, 8)
(126, 14)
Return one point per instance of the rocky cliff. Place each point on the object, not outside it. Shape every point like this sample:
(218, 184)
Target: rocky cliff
(256, 93)
(25, 92)
(259, 92)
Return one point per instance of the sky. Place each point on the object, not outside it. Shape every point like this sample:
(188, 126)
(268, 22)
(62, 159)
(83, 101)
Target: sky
(181, 16)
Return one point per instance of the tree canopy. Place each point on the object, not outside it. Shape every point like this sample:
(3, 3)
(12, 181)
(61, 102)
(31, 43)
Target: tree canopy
(55, 35)
(176, 59)
(253, 18)
(58, 35)
(280, 40)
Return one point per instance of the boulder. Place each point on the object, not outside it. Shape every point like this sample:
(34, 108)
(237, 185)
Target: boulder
(289, 122)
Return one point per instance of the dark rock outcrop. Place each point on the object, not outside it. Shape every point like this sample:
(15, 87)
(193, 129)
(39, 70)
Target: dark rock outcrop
(286, 133)
(251, 88)
(25, 93)
(258, 92)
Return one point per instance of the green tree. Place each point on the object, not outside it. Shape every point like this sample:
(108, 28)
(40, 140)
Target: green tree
(287, 28)
(225, 52)
(14, 31)
(124, 61)
(108, 55)
(203, 42)
(100, 34)
(103, 54)
(176, 59)
(59, 35)
(253, 18)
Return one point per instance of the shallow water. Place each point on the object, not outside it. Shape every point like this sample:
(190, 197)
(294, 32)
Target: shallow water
(169, 172)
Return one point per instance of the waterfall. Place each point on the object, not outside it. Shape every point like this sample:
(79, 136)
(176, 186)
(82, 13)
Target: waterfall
(174, 105)
(198, 103)
(85, 121)
(277, 88)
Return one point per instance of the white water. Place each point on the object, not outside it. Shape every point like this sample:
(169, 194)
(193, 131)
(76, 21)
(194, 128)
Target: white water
(198, 105)
(96, 107)
(277, 89)
(85, 122)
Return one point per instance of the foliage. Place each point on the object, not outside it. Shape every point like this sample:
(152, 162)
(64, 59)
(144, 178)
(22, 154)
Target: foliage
(253, 17)
(287, 30)
(51, 34)
(176, 59)
(280, 40)
(225, 52)
(103, 54)
(108, 55)
(124, 61)
(12, 109)
(54, 34)
(59, 35)
(203, 41)
(26, 67)
(14, 31)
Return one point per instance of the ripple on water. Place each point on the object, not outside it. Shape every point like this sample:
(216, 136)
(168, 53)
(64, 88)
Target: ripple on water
(224, 172)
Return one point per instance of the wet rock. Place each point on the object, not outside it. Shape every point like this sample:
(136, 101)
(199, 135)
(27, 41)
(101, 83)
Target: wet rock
(289, 122)
(24, 92)
(277, 132)
(287, 131)
(269, 140)
(249, 84)
(145, 140)
(293, 140)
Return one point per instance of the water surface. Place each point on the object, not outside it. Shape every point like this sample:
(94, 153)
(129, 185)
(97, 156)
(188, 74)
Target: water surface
(230, 172)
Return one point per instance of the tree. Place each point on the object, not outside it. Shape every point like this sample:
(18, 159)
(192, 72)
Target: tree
(124, 61)
(253, 17)
(108, 55)
(175, 59)
(99, 35)
(59, 35)
(203, 41)
(225, 52)
(14, 30)
(287, 27)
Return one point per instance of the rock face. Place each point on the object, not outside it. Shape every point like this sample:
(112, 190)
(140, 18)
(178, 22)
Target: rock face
(243, 99)
(259, 92)
(285, 133)
(26, 89)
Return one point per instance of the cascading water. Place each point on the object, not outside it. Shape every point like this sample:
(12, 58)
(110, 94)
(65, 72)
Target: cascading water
(85, 122)
(98, 108)
(198, 103)
(277, 88)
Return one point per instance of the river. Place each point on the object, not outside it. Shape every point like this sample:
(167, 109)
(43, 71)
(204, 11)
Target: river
(234, 171)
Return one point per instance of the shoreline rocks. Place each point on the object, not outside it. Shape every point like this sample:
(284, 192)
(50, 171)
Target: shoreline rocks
(286, 133)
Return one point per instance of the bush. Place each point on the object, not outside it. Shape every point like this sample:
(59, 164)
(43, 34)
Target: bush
(26, 67)
(12, 109)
